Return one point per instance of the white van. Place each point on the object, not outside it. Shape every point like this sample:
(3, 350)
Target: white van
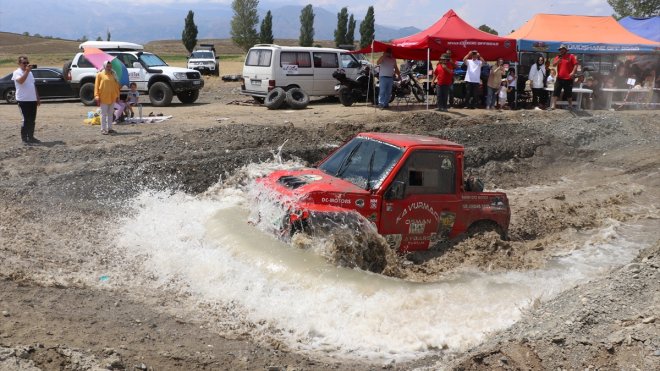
(269, 66)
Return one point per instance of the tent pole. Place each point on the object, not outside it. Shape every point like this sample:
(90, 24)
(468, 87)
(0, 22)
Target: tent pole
(428, 83)
(371, 73)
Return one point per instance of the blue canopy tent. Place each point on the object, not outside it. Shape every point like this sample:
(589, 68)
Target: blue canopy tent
(648, 28)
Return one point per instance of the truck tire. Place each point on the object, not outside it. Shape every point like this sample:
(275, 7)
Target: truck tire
(275, 98)
(160, 94)
(296, 98)
(484, 226)
(188, 97)
(217, 70)
(346, 96)
(87, 94)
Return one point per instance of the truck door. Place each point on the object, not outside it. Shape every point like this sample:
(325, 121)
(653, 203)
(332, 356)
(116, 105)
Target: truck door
(296, 69)
(135, 74)
(325, 63)
(421, 203)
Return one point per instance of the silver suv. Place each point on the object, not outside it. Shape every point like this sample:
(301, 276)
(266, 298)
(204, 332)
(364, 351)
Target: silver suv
(205, 60)
(151, 74)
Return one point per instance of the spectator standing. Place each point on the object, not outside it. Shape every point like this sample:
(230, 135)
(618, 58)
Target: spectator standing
(566, 67)
(511, 81)
(472, 77)
(494, 82)
(443, 77)
(388, 70)
(27, 98)
(106, 94)
(538, 76)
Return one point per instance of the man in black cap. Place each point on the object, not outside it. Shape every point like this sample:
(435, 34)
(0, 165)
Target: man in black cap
(566, 65)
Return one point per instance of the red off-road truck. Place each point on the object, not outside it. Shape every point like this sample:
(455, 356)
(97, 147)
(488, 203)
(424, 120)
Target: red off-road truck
(410, 188)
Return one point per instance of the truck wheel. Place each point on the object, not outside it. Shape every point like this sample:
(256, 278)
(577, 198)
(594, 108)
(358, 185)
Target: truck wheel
(87, 94)
(418, 92)
(483, 226)
(217, 70)
(296, 98)
(10, 95)
(160, 94)
(346, 96)
(188, 97)
(275, 98)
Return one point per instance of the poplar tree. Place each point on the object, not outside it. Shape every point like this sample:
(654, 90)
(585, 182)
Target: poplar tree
(340, 32)
(350, 33)
(266, 33)
(189, 34)
(243, 23)
(367, 28)
(306, 26)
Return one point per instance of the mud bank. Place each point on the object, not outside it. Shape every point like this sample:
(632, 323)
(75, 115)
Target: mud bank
(571, 178)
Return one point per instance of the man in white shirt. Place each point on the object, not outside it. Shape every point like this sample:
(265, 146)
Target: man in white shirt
(27, 97)
(474, 61)
(388, 72)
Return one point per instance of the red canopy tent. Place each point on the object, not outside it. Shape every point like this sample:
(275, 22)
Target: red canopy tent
(449, 32)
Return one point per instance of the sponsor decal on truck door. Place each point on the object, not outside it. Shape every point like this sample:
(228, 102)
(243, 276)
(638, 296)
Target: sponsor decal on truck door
(426, 212)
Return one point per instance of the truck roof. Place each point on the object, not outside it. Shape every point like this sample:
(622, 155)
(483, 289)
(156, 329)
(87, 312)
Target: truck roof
(410, 140)
(111, 45)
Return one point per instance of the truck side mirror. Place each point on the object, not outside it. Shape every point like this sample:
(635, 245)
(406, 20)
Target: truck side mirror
(217, 57)
(396, 191)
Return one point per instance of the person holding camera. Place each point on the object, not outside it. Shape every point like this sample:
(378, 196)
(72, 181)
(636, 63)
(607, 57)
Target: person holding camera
(566, 64)
(27, 98)
(473, 60)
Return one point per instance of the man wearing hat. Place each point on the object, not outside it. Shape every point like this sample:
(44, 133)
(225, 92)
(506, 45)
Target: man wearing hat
(566, 65)
(443, 78)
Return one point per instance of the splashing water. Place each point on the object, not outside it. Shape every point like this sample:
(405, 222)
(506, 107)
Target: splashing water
(204, 248)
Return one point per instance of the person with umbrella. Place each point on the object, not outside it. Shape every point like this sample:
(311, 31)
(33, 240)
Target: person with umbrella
(106, 94)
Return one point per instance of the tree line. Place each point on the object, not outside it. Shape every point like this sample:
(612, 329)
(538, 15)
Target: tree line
(245, 20)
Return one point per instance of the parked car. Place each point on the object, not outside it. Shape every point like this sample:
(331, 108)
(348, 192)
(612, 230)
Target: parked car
(49, 81)
(154, 78)
(205, 60)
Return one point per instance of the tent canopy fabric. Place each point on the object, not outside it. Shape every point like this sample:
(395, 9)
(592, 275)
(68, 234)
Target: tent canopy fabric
(582, 34)
(449, 33)
(648, 28)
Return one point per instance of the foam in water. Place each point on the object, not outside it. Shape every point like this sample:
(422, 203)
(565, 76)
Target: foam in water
(204, 247)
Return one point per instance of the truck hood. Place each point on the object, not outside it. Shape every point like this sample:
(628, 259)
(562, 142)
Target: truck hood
(307, 180)
(305, 183)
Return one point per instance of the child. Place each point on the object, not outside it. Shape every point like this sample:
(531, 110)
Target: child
(512, 82)
(501, 94)
(132, 99)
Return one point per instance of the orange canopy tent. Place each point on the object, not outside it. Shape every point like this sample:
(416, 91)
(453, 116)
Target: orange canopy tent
(582, 34)
(449, 32)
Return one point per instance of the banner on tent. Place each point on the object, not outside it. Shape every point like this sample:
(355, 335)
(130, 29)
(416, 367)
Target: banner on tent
(592, 48)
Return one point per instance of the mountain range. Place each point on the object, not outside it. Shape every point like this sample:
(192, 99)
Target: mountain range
(141, 23)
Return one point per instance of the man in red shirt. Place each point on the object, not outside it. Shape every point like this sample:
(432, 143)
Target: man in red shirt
(566, 65)
(443, 78)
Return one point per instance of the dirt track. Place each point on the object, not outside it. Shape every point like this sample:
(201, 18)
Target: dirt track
(60, 201)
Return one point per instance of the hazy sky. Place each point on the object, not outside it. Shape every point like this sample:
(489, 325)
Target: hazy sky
(503, 16)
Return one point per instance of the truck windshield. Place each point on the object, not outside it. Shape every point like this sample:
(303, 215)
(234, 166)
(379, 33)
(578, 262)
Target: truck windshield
(362, 161)
(202, 55)
(152, 60)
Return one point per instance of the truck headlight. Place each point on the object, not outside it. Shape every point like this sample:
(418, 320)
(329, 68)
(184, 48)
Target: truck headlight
(180, 76)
